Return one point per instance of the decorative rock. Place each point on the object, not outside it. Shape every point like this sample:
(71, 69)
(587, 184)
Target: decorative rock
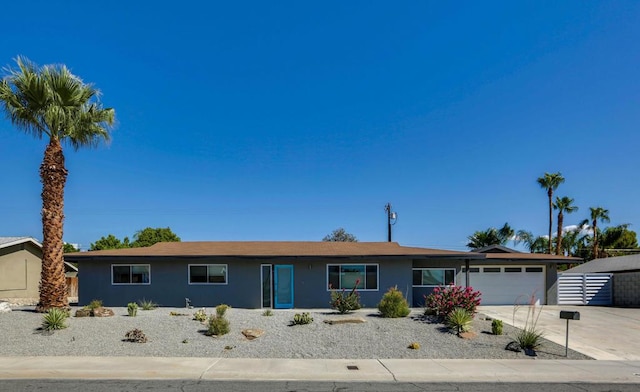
(467, 335)
(253, 333)
(83, 312)
(513, 346)
(353, 320)
(4, 307)
(102, 312)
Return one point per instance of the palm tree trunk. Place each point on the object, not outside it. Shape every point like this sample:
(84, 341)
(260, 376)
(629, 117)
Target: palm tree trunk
(559, 236)
(53, 175)
(550, 194)
(595, 239)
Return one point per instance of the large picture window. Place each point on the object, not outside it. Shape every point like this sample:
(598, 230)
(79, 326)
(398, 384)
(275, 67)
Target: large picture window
(207, 274)
(347, 276)
(434, 276)
(130, 274)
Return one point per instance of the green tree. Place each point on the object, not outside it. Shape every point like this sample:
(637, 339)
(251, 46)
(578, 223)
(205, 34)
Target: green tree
(550, 182)
(150, 236)
(597, 214)
(69, 248)
(491, 236)
(340, 235)
(618, 238)
(562, 204)
(110, 242)
(53, 103)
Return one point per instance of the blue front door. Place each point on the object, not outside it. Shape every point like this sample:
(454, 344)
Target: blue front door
(283, 282)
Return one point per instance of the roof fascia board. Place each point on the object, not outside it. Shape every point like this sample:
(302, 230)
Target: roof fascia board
(21, 241)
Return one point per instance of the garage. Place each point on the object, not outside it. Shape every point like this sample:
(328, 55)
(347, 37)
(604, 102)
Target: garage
(508, 285)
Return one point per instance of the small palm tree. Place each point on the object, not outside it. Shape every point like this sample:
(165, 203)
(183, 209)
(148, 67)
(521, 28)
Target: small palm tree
(575, 241)
(597, 214)
(491, 236)
(562, 204)
(51, 102)
(535, 244)
(550, 182)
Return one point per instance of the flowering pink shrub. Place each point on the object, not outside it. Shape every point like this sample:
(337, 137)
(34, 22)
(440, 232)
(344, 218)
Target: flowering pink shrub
(444, 299)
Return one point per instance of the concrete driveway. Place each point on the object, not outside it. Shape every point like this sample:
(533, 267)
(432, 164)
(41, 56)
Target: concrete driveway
(602, 332)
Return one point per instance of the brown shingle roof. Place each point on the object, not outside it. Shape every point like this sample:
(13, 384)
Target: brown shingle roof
(274, 248)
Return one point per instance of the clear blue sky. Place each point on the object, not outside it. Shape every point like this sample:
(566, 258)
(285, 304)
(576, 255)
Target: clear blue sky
(284, 120)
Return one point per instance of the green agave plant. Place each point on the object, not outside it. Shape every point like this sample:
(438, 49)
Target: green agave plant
(459, 320)
(54, 319)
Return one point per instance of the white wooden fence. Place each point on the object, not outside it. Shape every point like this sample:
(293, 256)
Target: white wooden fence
(585, 289)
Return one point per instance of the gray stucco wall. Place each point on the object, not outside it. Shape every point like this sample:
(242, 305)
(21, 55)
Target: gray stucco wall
(626, 289)
(552, 284)
(169, 281)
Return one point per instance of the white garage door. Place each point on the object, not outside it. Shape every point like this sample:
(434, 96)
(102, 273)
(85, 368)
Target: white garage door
(508, 285)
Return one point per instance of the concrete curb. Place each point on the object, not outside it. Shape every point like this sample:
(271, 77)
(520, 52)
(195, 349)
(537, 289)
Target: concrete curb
(383, 370)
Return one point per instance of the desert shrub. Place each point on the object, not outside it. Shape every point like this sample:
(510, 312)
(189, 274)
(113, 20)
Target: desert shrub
(95, 304)
(443, 300)
(54, 319)
(496, 327)
(302, 319)
(147, 304)
(136, 336)
(132, 309)
(218, 326)
(267, 312)
(393, 304)
(222, 309)
(200, 315)
(459, 320)
(345, 302)
(529, 338)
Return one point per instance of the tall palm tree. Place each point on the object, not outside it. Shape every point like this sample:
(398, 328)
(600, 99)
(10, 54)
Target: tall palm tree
(597, 214)
(550, 182)
(563, 205)
(51, 102)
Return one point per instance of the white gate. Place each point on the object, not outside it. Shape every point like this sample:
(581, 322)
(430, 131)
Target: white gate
(585, 289)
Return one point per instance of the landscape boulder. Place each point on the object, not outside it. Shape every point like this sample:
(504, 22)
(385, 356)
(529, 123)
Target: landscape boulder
(252, 333)
(468, 335)
(102, 312)
(4, 307)
(83, 312)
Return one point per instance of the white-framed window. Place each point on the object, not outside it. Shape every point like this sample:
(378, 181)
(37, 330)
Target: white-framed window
(130, 274)
(207, 274)
(363, 277)
(434, 276)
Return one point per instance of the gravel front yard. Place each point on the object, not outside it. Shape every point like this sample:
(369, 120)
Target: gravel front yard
(181, 336)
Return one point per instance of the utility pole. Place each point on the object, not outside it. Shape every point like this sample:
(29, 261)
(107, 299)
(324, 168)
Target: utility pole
(391, 220)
